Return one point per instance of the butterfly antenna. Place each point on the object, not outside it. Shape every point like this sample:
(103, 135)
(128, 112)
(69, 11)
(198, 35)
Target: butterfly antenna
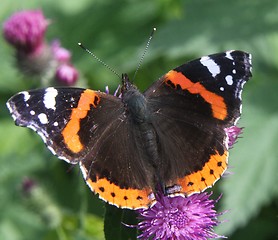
(99, 60)
(144, 53)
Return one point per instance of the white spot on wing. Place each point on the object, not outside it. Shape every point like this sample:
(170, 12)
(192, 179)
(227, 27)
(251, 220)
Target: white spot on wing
(51, 150)
(42, 136)
(32, 127)
(26, 96)
(65, 159)
(14, 117)
(49, 98)
(228, 55)
(55, 124)
(221, 89)
(239, 90)
(229, 80)
(43, 118)
(83, 170)
(32, 112)
(234, 71)
(9, 107)
(213, 68)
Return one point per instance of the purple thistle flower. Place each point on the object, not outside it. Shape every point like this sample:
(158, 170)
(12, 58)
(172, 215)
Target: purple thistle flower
(25, 30)
(66, 74)
(184, 218)
(233, 133)
(61, 54)
(34, 56)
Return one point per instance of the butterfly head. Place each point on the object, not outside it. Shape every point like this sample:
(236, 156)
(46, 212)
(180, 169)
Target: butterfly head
(127, 85)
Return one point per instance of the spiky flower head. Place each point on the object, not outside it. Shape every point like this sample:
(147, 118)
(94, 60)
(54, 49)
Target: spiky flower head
(25, 30)
(180, 218)
(233, 133)
(66, 74)
(61, 54)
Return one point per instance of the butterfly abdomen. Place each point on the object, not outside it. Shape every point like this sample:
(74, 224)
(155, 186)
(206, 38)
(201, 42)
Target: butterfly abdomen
(147, 139)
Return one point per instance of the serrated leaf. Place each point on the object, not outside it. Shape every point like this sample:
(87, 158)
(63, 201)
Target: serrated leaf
(254, 163)
(263, 227)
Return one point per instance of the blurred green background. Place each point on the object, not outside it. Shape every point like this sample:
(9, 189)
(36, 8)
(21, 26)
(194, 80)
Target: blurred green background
(61, 206)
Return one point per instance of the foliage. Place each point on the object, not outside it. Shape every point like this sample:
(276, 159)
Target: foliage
(63, 207)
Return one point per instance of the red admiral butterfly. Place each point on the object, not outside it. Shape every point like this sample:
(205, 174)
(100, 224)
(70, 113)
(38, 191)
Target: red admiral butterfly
(171, 137)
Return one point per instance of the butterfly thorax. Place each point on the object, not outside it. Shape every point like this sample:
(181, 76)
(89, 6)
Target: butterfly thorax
(135, 101)
(138, 112)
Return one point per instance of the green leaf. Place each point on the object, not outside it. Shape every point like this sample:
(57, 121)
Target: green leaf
(253, 160)
(120, 223)
(263, 227)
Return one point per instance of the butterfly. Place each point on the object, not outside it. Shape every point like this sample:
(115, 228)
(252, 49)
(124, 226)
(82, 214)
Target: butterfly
(170, 138)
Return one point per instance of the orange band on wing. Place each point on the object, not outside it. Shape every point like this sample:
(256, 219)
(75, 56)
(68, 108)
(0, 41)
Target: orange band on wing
(70, 133)
(123, 198)
(219, 108)
(136, 199)
(210, 173)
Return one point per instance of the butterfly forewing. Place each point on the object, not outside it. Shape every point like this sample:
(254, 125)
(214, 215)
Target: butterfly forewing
(56, 115)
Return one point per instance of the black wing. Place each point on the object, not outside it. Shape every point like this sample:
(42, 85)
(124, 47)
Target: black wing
(191, 107)
(90, 128)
